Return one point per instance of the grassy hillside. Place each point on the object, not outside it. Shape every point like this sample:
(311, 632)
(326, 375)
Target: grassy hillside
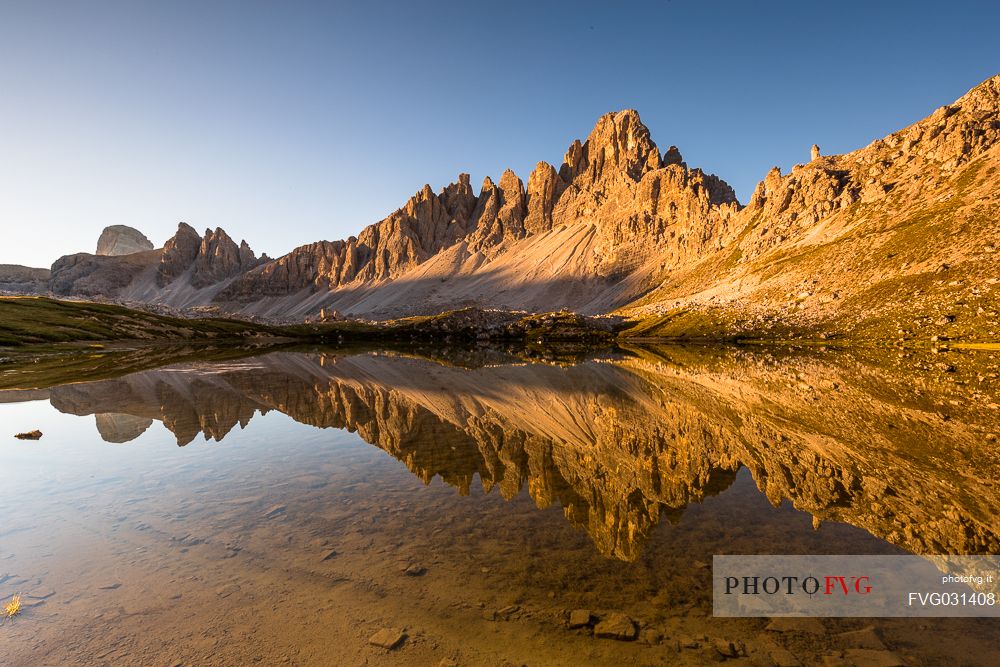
(40, 320)
(33, 321)
(917, 265)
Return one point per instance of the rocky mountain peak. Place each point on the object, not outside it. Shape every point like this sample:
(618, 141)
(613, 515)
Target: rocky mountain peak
(220, 258)
(247, 255)
(984, 97)
(118, 240)
(574, 162)
(459, 199)
(185, 230)
(620, 142)
(499, 213)
(544, 188)
(509, 181)
(672, 156)
(179, 252)
(211, 258)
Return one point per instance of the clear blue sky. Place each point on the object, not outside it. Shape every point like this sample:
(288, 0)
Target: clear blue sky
(289, 122)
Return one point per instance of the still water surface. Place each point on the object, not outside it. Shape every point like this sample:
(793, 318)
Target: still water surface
(281, 509)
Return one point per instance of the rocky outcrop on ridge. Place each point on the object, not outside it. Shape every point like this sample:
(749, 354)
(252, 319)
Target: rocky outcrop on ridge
(220, 258)
(178, 254)
(122, 240)
(89, 275)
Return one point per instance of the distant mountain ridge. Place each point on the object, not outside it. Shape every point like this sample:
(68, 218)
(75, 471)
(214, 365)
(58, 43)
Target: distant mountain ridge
(188, 270)
(621, 226)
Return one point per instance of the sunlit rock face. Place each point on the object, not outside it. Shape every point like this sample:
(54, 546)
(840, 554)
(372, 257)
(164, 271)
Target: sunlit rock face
(623, 441)
(119, 240)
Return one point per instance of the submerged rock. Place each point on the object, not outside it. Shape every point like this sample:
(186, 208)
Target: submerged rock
(274, 511)
(728, 649)
(808, 626)
(579, 618)
(387, 638)
(867, 638)
(616, 626)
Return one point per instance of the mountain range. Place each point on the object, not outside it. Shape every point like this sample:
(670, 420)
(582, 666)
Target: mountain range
(897, 237)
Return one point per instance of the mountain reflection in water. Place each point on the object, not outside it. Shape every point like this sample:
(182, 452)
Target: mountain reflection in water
(897, 447)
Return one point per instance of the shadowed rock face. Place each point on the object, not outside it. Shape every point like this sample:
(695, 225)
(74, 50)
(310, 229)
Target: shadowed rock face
(208, 260)
(84, 274)
(23, 279)
(122, 240)
(622, 442)
(179, 253)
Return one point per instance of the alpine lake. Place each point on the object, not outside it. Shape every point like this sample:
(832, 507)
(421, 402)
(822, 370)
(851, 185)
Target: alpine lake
(456, 505)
